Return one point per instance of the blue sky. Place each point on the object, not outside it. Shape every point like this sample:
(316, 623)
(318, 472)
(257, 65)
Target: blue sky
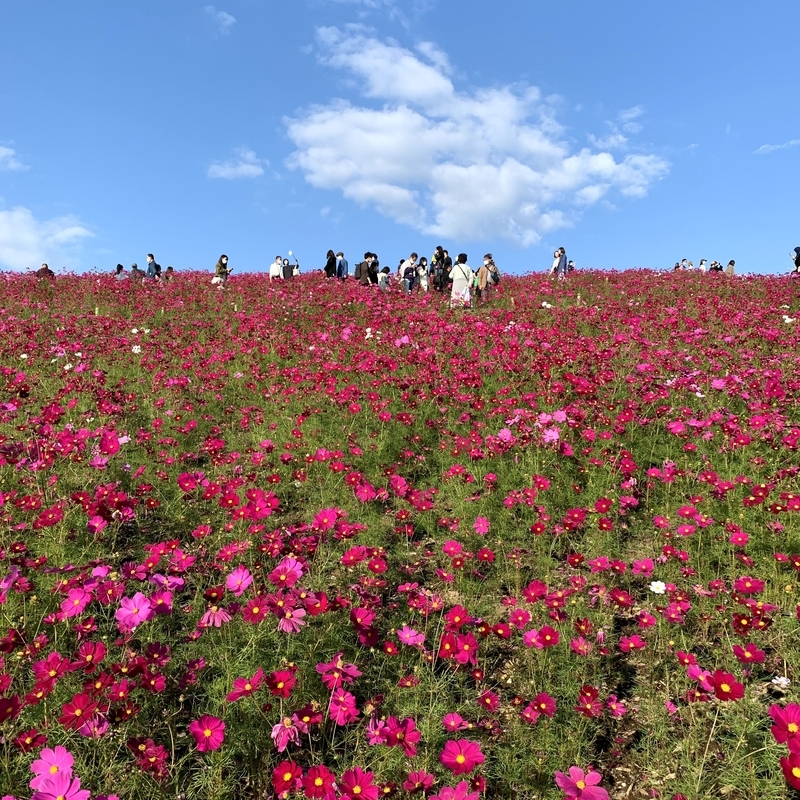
(634, 134)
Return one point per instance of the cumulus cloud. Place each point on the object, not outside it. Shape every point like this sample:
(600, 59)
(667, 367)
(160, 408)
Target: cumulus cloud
(222, 20)
(770, 148)
(245, 165)
(467, 164)
(27, 242)
(9, 161)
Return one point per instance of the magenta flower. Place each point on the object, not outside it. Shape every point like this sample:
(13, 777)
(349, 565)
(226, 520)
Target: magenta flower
(460, 792)
(208, 732)
(215, 616)
(343, 707)
(133, 611)
(238, 580)
(410, 637)
(335, 672)
(581, 784)
(284, 732)
(76, 602)
(61, 787)
(55, 761)
(292, 620)
(461, 756)
(481, 526)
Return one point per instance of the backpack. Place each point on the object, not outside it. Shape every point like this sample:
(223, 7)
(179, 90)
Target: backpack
(357, 271)
(494, 275)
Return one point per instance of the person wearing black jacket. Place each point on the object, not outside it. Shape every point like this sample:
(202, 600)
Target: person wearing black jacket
(330, 264)
(795, 256)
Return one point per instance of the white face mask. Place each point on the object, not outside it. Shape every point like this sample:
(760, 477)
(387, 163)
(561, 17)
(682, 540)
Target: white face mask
(486, 263)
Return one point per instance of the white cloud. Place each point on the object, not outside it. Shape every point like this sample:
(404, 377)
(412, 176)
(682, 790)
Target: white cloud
(474, 164)
(246, 165)
(222, 20)
(26, 241)
(770, 148)
(9, 161)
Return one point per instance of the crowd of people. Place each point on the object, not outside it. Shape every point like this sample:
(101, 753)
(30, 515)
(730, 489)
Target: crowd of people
(152, 272)
(704, 266)
(416, 273)
(413, 274)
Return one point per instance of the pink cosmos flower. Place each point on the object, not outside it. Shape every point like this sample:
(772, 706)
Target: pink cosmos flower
(238, 580)
(356, 784)
(287, 573)
(51, 761)
(460, 792)
(335, 672)
(581, 784)
(208, 732)
(461, 756)
(244, 687)
(61, 787)
(215, 616)
(787, 722)
(454, 722)
(418, 781)
(284, 732)
(75, 602)
(343, 707)
(133, 611)
(404, 734)
(481, 526)
(292, 620)
(410, 637)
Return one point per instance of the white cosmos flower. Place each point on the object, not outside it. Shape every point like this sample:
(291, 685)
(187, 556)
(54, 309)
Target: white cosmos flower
(658, 587)
(136, 349)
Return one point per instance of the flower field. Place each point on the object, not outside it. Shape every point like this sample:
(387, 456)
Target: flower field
(311, 540)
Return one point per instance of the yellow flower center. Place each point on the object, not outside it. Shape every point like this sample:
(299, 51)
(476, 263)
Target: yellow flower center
(792, 727)
(54, 769)
(580, 784)
(356, 790)
(207, 732)
(460, 759)
(287, 776)
(725, 687)
(317, 781)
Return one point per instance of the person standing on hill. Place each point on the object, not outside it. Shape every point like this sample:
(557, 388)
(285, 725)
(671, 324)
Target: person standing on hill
(341, 266)
(362, 271)
(795, 256)
(330, 264)
(463, 278)
(437, 269)
(221, 271)
(275, 268)
(153, 270)
(422, 274)
(561, 269)
(730, 270)
(407, 271)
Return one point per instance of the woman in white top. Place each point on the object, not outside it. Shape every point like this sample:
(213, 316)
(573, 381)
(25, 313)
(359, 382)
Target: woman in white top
(463, 278)
(422, 274)
(556, 258)
(275, 268)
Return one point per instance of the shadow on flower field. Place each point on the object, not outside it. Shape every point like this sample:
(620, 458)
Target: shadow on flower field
(305, 539)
